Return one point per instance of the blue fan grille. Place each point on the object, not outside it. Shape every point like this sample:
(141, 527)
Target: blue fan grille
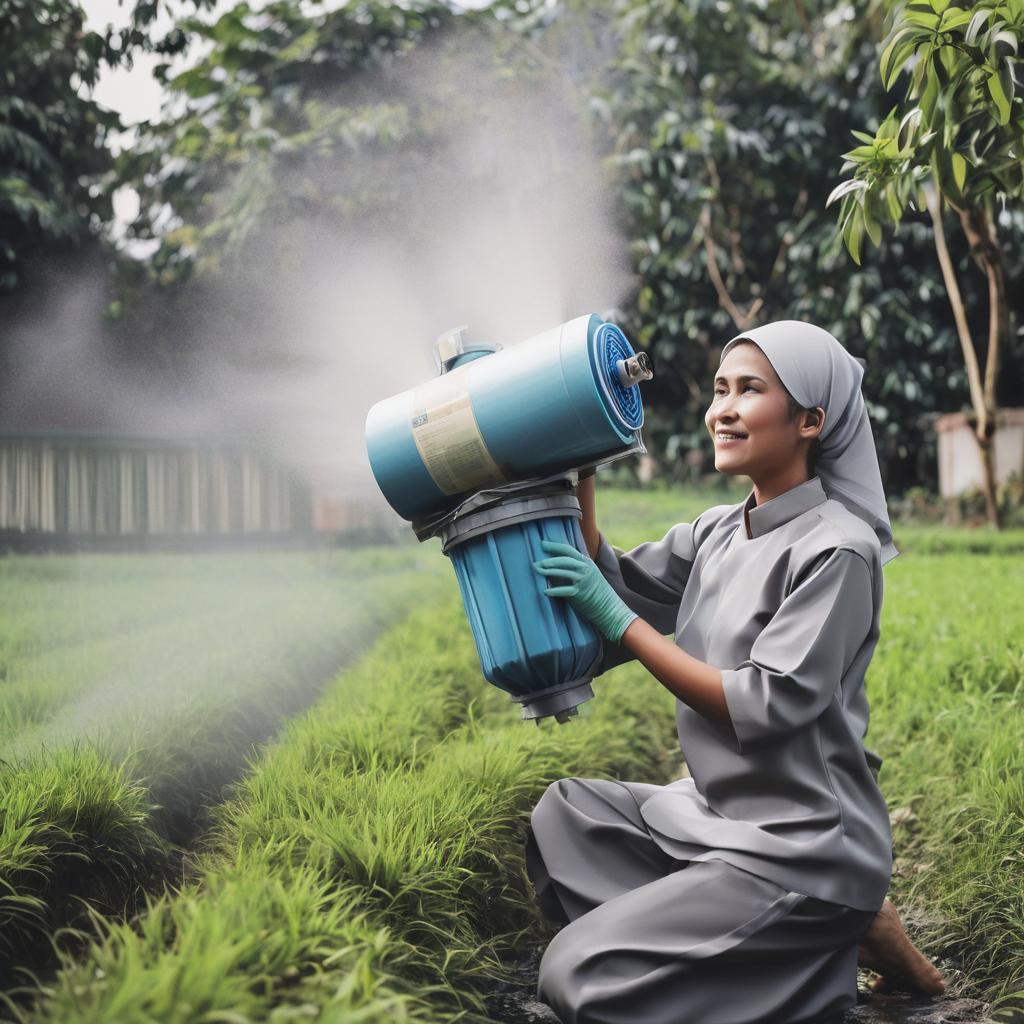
(612, 346)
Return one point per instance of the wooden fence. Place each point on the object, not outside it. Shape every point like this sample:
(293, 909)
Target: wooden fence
(90, 486)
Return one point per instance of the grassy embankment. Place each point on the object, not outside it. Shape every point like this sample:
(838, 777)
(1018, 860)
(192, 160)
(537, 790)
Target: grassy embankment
(134, 687)
(370, 866)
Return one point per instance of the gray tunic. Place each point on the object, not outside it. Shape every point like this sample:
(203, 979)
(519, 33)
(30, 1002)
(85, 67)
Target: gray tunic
(790, 614)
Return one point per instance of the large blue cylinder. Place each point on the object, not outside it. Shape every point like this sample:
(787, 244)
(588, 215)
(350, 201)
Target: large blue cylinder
(534, 647)
(545, 405)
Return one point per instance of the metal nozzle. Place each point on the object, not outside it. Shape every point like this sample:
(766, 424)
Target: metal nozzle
(561, 704)
(634, 369)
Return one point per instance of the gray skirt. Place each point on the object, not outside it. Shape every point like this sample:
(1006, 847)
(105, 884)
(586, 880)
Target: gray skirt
(652, 940)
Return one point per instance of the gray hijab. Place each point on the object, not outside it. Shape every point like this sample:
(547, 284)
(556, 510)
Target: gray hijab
(818, 371)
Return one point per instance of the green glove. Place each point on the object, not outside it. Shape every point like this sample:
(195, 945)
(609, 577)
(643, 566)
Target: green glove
(587, 590)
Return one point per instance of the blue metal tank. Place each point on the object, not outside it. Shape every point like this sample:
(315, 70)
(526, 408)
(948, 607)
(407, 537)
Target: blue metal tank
(482, 456)
(553, 402)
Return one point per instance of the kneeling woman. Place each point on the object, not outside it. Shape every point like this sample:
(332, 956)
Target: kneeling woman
(740, 894)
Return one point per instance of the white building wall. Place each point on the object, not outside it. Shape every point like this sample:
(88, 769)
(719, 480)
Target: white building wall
(960, 461)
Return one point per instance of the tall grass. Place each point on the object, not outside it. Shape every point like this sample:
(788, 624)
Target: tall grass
(398, 804)
(88, 639)
(77, 830)
(947, 692)
(191, 662)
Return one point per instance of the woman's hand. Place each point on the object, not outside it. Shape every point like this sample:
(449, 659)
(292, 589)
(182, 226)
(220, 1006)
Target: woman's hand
(586, 589)
(694, 682)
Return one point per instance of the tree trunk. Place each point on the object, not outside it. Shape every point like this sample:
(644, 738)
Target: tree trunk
(981, 234)
(980, 231)
(988, 477)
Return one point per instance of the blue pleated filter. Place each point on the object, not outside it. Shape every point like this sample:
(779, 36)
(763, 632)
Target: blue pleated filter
(532, 646)
(540, 407)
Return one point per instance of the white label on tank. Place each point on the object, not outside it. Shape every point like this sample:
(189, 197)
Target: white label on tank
(445, 430)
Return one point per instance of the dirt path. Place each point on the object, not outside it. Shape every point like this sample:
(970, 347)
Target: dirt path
(517, 1004)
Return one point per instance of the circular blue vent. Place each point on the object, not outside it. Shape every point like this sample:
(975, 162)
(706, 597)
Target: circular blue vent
(611, 345)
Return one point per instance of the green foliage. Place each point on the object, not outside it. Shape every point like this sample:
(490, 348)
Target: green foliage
(249, 937)
(947, 716)
(407, 856)
(56, 165)
(71, 828)
(966, 130)
(366, 882)
(53, 139)
(727, 120)
(370, 867)
(296, 125)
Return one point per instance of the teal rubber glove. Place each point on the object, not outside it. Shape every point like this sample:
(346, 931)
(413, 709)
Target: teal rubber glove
(587, 590)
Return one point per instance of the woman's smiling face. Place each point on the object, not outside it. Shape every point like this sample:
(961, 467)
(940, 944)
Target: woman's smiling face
(749, 418)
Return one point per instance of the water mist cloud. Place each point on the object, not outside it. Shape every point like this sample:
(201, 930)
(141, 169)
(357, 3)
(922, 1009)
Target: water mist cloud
(511, 227)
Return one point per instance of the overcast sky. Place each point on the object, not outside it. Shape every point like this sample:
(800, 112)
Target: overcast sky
(135, 94)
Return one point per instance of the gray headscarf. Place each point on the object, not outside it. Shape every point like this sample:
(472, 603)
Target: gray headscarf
(818, 371)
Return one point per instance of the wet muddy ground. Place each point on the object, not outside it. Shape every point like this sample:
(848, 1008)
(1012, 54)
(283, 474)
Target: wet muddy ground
(516, 1003)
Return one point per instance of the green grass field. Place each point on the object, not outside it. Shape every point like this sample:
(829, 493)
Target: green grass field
(369, 866)
(134, 687)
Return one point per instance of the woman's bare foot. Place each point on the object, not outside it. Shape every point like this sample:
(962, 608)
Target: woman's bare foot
(886, 949)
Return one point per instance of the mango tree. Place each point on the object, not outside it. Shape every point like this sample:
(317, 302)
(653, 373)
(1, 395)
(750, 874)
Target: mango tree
(956, 142)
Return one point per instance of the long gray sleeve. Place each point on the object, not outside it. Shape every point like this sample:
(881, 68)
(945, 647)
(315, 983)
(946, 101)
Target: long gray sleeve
(799, 658)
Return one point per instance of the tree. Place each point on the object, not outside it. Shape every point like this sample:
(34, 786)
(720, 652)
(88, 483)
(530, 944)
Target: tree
(304, 137)
(56, 165)
(726, 117)
(301, 131)
(957, 141)
(276, 94)
(53, 140)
